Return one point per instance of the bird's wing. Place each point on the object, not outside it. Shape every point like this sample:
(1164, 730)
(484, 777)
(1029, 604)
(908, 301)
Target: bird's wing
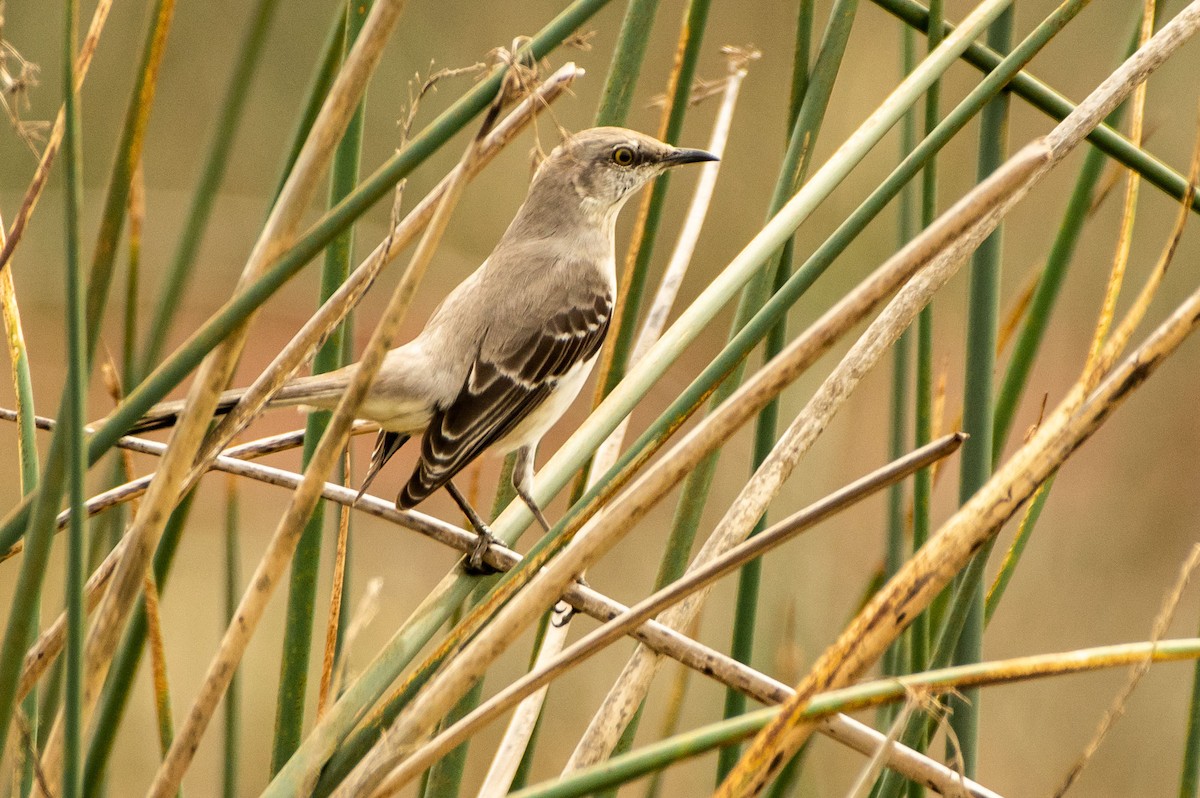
(501, 391)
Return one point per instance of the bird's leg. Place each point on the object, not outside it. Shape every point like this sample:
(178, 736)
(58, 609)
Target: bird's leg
(484, 537)
(522, 482)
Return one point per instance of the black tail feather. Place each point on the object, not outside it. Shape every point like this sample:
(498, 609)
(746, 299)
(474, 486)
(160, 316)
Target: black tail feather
(167, 414)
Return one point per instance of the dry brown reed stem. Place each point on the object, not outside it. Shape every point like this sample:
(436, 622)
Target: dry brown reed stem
(158, 660)
(287, 534)
(42, 173)
(1116, 276)
(688, 585)
(214, 373)
(922, 577)
(331, 313)
(335, 594)
(14, 338)
(1137, 312)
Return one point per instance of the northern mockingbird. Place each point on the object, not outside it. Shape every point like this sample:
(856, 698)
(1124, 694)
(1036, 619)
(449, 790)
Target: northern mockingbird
(504, 355)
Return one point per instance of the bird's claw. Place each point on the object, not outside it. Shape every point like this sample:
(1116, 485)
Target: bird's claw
(475, 564)
(563, 611)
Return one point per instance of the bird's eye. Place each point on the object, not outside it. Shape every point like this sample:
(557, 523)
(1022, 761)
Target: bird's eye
(623, 156)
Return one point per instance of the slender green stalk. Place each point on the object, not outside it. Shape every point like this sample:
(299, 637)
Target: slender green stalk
(27, 455)
(923, 431)
(180, 364)
(894, 537)
(306, 562)
(1054, 105)
(918, 635)
(233, 696)
(745, 616)
(791, 173)
(75, 404)
(42, 505)
(1189, 778)
(1013, 557)
(691, 35)
(746, 607)
(626, 62)
(445, 778)
(129, 154)
(216, 162)
(982, 324)
(651, 758)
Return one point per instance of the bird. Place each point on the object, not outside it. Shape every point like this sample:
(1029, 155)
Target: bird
(507, 351)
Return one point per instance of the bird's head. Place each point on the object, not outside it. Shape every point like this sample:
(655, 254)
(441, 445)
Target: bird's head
(606, 165)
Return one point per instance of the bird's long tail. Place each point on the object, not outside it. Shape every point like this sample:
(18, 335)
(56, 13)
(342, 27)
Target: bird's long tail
(319, 390)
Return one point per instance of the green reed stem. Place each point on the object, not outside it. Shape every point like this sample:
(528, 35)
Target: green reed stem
(695, 20)
(216, 162)
(982, 325)
(306, 562)
(766, 426)
(75, 404)
(1056, 106)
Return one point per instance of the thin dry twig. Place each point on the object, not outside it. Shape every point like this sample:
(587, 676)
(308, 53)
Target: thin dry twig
(15, 85)
(42, 173)
(1133, 317)
(1139, 670)
(364, 612)
(14, 338)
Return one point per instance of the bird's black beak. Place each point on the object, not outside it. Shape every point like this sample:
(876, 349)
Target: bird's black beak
(679, 156)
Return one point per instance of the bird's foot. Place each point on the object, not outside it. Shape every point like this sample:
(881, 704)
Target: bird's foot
(475, 564)
(563, 611)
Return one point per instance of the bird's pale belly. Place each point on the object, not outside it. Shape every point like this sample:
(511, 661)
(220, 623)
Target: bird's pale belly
(533, 426)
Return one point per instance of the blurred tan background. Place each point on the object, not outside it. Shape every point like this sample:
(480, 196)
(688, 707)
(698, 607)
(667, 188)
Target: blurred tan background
(1121, 519)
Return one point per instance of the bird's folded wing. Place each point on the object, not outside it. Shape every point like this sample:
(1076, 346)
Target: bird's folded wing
(500, 392)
